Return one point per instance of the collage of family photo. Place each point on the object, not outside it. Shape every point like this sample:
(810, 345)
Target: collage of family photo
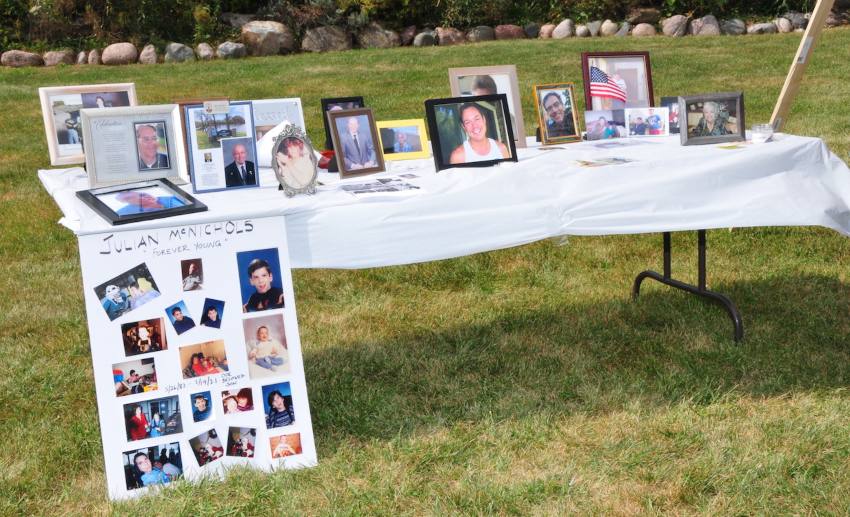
(208, 358)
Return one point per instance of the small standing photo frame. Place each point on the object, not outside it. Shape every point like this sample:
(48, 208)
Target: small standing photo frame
(616, 80)
(60, 108)
(294, 161)
(492, 80)
(403, 139)
(336, 104)
(556, 113)
(470, 131)
(142, 201)
(125, 145)
(672, 104)
(712, 118)
(355, 142)
(648, 121)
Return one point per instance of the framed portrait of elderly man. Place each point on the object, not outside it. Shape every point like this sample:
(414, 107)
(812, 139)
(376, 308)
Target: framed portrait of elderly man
(556, 113)
(712, 118)
(60, 108)
(491, 80)
(403, 139)
(355, 142)
(470, 131)
(616, 80)
(130, 144)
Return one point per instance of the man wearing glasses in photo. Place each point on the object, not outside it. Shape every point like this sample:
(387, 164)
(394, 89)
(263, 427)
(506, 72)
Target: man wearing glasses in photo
(559, 120)
(147, 143)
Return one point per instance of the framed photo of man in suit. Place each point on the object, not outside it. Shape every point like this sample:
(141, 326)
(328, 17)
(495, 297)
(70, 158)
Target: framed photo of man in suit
(355, 141)
(240, 155)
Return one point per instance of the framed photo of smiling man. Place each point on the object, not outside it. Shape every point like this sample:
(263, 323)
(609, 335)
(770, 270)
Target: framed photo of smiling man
(556, 113)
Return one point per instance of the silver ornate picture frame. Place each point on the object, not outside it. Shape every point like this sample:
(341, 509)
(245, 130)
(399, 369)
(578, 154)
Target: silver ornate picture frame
(294, 161)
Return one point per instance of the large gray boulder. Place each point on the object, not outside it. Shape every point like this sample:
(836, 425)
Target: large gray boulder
(733, 27)
(82, 57)
(375, 36)
(426, 38)
(58, 57)
(784, 25)
(481, 33)
(532, 30)
(676, 26)
(565, 29)
(594, 27)
(608, 28)
(407, 35)
(705, 26)
(649, 15)
(325, 39)
(798, 20)
(267, 38)
(546, 31)
(509, 32)
(148, 55)
(237, 20)
(204, 51)
(582, 31)
(625, 28)
(231, 50)
(94, 57)
(450, 36)
(643, 29)
(178, 53)
(763, 28)
(123, 53)
(19, 58)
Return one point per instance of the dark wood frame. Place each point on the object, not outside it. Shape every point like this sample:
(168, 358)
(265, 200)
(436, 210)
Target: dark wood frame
(336, 100)
(433, 130)
(376, 142)
(585, 73)
(538, 103)
(89, 197)
(737, 97)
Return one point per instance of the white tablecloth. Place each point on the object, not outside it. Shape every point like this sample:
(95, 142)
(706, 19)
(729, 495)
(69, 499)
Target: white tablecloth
(792, 181)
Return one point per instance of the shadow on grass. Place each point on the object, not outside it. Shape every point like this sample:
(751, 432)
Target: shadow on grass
(666, 349)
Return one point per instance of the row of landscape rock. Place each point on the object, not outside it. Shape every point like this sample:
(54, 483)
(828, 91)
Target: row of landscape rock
(265, 38)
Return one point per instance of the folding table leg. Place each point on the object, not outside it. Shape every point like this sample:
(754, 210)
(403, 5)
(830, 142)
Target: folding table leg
(699, 289)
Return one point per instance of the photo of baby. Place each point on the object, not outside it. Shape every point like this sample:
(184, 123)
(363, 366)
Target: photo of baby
(265, 342)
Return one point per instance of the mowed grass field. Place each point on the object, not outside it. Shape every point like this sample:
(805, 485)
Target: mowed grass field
(523, 381)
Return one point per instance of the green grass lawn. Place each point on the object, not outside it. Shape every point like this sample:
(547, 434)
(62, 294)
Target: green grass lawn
(514, 382)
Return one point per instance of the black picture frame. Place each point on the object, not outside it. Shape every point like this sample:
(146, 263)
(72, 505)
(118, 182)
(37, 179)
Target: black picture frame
(355, 102)
(441, 142)
(673, 121)
(98, 199)
(687, 135)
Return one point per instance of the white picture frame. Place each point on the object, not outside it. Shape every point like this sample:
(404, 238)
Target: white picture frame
(61, 105)
(505, 79)
(115, 154)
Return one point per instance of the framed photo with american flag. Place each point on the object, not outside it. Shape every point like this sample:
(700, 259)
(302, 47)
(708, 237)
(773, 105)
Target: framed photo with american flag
(616, 80)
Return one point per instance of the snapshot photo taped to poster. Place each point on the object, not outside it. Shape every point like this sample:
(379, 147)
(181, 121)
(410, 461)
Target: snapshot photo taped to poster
(201, 403)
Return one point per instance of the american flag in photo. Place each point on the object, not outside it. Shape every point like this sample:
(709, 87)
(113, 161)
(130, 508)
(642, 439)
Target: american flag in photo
(602, 86)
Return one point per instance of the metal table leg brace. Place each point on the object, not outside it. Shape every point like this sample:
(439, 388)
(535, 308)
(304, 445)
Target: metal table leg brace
(699, 289)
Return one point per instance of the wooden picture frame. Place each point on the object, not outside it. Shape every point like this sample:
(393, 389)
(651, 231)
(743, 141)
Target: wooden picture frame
(60, 109)
(355, 157)
(334, 104)
(556, 113)
(133, 202)
(616, 80)
(403, 139)
(698, 126)
(492, 80)
(450, 133)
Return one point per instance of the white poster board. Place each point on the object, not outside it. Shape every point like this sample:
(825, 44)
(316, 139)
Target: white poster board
(196, 352)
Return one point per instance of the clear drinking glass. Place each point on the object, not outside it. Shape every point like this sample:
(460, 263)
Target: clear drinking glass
(761, 133)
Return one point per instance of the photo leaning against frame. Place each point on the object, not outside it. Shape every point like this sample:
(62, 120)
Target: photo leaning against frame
(648, 121)
(60, 108)
(335, 104)
(294, 161)
(492, 80)
(141, 201)
(712, 118)
(470, 131)
(355, 142)
(616, 80)
(129, 144)
(222, 146)
(403, 139)
(556, 113)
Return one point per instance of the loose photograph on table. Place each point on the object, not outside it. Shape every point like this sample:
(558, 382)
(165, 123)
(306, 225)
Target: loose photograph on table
(179, 317)
(285, 445)
(337, 104)
(127, 291)
(712, 118)
(403, 139)
(237, 400)
(136, 143)
(151, 466)
(556, 113)
(142, 337)
(648, 121)
(213, 312)
(134, 377)
(192, 273)
(491, 80)
(277, 404)
(60, 108)
(202, 408)
(265, 343)
(672, 104)
(141, 201)
(207, 447)
(152, 418)
(241, 441)
(616, 80)
(200, 359)
(356, 142)
(470, 131)
(605, 124)
(260, 280)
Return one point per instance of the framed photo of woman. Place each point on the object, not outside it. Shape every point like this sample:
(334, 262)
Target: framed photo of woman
(712, 118)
